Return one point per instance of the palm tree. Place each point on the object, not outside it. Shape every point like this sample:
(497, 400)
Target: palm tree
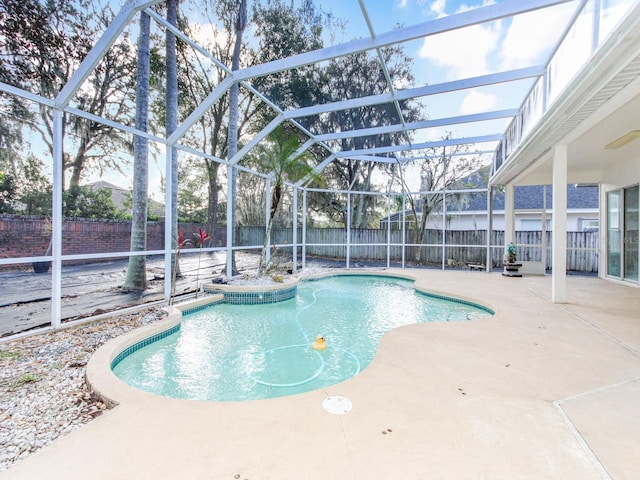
(241, 24)
(136, 273)
(278, 156)
(171, 121)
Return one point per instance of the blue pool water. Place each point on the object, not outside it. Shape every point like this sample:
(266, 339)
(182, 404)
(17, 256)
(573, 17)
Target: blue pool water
(244, 352)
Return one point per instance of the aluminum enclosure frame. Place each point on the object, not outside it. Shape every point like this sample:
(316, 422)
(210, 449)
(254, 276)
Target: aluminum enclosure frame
(61, 105)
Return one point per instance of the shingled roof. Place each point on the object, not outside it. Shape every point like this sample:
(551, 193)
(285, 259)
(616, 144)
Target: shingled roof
(530, 197)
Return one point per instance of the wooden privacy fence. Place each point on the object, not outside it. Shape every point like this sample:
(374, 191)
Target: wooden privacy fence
(458, 248)
(24, 236)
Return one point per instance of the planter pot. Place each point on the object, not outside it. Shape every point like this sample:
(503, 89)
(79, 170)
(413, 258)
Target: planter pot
(41, 267)
(511, 269)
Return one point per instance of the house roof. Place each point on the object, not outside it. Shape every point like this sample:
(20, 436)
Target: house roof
(528, 197)
(531, 197)
(120, 196)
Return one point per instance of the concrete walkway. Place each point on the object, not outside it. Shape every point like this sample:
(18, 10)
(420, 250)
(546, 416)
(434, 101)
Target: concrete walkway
(538, 391)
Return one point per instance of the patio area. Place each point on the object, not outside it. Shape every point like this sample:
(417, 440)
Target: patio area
(538, 391)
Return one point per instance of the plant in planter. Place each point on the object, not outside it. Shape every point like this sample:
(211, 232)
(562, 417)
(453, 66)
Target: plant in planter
(511, 267)
(511, 253)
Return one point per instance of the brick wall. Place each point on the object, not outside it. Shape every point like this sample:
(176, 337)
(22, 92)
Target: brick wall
(25, 236)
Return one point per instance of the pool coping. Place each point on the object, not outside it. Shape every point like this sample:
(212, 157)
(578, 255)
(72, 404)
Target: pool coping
(263, 287)
(112, 391)
(254, 294)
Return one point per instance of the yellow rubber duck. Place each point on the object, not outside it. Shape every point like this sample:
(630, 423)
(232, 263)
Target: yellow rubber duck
(320, 343)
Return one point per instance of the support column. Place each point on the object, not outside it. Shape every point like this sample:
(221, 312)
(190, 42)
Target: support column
(168, 223)
(404, 227)
(509, 215)
(295, 230)
(388, 231)
(230, 214)
(56, 220)
(304, 229)
(444, 230)
(267, 205)
(489, 262)
(559, 226)
(603, 215)
(348, 262)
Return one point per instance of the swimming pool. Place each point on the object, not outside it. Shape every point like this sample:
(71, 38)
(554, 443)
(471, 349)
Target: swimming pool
(231, 352)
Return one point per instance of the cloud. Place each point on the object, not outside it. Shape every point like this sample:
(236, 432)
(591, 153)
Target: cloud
(438, 7)
(476, 101)
(402, 4)
(463, 7)
(531, 36)
(464, 52)
(524, 40)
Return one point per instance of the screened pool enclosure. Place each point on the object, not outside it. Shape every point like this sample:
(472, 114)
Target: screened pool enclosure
(389, 166)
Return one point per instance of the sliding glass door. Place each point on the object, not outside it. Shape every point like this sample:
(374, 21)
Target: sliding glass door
(631, 233)
(614, 234)
(622, 233)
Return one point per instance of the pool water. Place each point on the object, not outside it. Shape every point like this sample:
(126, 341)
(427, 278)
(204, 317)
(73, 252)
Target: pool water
(245, 352)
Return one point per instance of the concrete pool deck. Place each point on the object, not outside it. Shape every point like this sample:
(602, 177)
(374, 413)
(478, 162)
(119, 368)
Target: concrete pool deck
(538, 391)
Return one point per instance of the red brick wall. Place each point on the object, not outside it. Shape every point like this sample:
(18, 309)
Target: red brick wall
(25, 236)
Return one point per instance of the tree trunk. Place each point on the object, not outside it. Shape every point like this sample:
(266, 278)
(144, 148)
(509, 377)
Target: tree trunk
(276, 197)
(213, 187)
(77, 166)
(420, 228)
(136, 279)
(265, 246)
(233, 121)
(171, 125)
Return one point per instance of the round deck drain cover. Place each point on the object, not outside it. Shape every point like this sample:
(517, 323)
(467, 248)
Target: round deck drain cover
(337, 405)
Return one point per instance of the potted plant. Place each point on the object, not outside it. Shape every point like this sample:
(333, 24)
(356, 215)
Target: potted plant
(511, 253)
(41, 267)
(511, 267)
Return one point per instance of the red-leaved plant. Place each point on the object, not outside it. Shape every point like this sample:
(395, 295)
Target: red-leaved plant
(201, 238)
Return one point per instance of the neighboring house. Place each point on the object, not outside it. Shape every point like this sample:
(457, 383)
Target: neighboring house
(121, 197)
(469, 212)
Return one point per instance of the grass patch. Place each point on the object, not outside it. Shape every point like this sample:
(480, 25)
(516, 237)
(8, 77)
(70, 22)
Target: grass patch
(6, 354)
(27, 378)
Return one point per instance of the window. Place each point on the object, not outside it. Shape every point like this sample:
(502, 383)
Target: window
(588, 224)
